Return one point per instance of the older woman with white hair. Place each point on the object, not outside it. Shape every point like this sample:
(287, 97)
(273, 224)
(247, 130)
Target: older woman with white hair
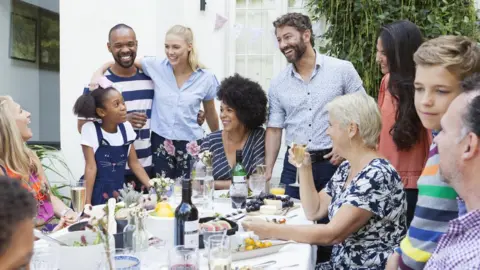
(364, 200)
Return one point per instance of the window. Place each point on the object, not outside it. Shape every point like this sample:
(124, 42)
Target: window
(31, 64)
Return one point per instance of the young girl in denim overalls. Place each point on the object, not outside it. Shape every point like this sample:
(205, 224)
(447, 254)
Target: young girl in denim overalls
(107, 146)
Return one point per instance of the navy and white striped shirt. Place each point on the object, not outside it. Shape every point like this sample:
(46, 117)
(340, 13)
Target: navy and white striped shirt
(253, 153)
(137, 92)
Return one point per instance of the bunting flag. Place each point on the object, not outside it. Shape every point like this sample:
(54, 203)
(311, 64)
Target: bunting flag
(238, 30)
(220, 22)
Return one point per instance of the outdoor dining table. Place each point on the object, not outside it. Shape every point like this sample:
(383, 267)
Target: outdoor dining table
(302, 256)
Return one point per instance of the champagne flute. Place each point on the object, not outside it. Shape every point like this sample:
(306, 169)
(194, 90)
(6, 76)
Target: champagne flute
(79, 196)
(299, 152)
(140, 129)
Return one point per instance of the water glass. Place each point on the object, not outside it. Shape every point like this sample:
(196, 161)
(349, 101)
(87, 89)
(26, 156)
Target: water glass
(45, 258)
(183, 258)
(142, 133)
(257, 183)
(209, 234)
(219, 253)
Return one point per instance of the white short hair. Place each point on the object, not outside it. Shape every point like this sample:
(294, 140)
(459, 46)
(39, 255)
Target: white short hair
(360, 109)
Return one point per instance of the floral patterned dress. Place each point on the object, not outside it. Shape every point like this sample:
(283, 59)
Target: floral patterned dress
(378, 189)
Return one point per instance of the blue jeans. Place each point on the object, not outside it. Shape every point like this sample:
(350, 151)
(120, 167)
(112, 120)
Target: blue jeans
(322, 173)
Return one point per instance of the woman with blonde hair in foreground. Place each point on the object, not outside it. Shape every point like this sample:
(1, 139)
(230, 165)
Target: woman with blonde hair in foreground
(19, 162)
(364, 200)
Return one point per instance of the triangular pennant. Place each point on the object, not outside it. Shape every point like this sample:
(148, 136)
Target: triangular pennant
(220, 22)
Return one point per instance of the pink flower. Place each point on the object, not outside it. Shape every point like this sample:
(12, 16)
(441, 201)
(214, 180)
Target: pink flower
(193, 149)
(169, 147)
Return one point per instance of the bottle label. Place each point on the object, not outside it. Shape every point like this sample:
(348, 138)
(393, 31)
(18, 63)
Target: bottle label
(190, 235)
(239, 180)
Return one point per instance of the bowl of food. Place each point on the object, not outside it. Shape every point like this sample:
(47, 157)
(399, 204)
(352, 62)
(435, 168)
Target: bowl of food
(215, 225)
(85, 250)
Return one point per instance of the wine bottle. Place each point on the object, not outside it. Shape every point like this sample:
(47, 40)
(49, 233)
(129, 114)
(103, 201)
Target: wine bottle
(239, 173)
(186, 219)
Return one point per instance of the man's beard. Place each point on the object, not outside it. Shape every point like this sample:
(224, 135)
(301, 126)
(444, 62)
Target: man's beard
(123, 64)
(299, 50)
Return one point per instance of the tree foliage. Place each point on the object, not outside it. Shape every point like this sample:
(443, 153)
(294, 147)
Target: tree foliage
(354, 27)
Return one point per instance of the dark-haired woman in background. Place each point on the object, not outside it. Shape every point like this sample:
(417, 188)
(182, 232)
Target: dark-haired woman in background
(107, 146)
(403, 139)
(243, 111)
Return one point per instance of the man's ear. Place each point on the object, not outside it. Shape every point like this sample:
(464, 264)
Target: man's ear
(108, 47)
(471, 146)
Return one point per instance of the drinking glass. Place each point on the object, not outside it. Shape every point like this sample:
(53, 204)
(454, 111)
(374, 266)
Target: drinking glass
(142, 133)
(45, 258)
(257, 183)
(277, 189)
(79, 196)
(299, 152)
(209, 234)
(219, 253)
(177, 190)
(183, 258)
(238, 194)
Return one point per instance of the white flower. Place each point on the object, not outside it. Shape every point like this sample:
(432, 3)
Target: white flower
(167, 188)
(151, 182)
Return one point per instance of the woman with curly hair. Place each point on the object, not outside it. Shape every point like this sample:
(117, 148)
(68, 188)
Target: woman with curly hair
(243, 111)
(403, 139)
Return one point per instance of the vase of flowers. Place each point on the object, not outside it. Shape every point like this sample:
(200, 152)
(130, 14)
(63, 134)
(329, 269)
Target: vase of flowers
(163, 187)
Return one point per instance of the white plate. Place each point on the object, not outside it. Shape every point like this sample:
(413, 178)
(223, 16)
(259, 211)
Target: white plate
(244, 255)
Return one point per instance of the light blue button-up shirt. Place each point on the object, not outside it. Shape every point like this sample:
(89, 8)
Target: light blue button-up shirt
(299, 106)
(174, 110)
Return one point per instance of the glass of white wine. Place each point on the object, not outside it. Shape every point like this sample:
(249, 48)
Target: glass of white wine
(299, 152)
(79, 196)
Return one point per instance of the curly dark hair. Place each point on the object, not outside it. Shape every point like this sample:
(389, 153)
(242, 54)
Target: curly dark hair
(299, 21)
(247, 98)
(16, 205)
(400, 41)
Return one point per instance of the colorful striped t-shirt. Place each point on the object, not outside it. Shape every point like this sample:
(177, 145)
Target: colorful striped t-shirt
(436, 206)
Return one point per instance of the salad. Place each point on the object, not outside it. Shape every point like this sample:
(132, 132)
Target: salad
(83, 241)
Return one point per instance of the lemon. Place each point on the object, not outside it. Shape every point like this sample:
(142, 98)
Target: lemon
(165, 212)
(249, 247)
(162, 205)
(249, 242)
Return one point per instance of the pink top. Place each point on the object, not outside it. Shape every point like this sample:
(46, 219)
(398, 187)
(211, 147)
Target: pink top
(409, 164)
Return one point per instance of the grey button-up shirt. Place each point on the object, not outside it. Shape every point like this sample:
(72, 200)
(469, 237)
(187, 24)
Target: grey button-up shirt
(298, 106)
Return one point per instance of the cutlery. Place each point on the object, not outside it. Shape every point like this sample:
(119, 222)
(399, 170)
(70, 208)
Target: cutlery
(264, 265)
(45, 237)
(287, 266)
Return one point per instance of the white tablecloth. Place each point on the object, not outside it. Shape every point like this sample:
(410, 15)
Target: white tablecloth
(302, 254)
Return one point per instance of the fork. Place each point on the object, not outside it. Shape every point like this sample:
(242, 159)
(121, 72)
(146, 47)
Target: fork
(287, 266)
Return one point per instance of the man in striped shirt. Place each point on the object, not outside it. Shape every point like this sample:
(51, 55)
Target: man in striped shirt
(441, 64)
(137, 91)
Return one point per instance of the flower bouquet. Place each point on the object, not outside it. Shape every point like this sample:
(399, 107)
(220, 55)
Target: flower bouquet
(163, 187)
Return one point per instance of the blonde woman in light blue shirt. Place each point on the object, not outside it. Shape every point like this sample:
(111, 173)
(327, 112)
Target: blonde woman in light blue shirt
(181, 85)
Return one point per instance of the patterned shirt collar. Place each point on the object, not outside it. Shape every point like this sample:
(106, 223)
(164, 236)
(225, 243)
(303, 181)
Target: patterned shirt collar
(466, 222)
(435, 133)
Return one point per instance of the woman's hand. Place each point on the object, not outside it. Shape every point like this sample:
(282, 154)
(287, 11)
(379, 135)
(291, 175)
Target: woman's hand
(60, 225)
(70, 217)
(292, 159)
(260, 227)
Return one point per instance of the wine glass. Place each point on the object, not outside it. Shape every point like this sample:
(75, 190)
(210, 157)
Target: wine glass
(299, 152)
(79, 196)
(238, 194)
(181, 257)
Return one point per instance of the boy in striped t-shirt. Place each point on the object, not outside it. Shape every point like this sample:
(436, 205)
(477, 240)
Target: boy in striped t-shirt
(137, 91)
(441, 64)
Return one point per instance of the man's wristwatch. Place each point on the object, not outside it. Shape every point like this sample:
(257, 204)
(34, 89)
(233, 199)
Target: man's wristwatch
(65, 211)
